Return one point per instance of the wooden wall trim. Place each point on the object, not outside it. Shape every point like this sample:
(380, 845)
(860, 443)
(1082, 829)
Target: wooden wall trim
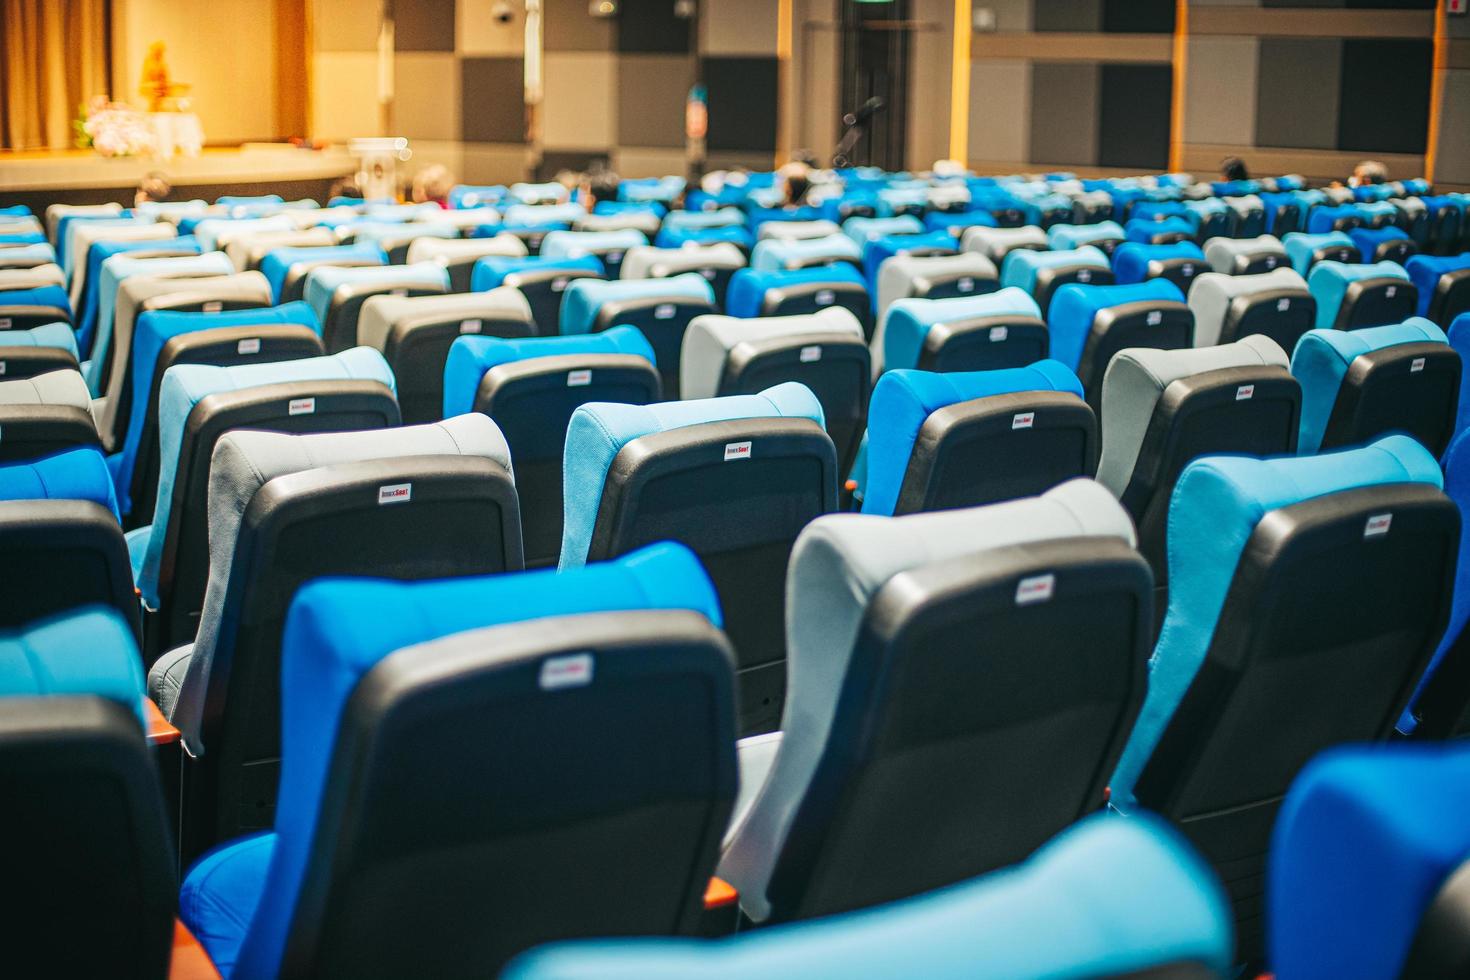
(1322, 22)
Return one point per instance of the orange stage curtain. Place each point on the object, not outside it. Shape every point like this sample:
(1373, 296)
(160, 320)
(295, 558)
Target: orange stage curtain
(53, 58)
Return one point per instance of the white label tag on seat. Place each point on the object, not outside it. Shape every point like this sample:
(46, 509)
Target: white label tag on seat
(1377, 525)
(1155, 317)
(1270, 261)
(395, 493)
(398, 292)
(471, 326)
(574, 670)
(558, 284)
(737, 450)
(966, 285)
(664, 311)
(1085, 275)
(825, 297)
(250, 345)
(1391, 292)
(213, 306)
(1416, 365)
(1245, 392)
(812, 353)
(1188, 270)
(708, 273)
(997, 334)
(1023, 421)
(1282, 305)
(1037, 588)
(301, 406)
(2, 368)
(614, 256)
(580, 378)
(5, 322)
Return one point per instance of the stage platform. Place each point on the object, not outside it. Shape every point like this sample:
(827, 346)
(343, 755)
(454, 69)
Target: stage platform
(39, 178)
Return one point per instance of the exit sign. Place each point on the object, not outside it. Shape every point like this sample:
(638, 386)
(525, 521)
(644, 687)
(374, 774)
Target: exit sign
(1455, 6)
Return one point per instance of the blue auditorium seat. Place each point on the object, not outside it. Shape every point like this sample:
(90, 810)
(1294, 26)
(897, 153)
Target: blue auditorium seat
(862, 230)
(1088, 324)
(689, 220)
(1162, 232)
(15, 255)
(336, 294)
(1307, 250)
(541, 279)
(1383, 244)
(660, 308)
(286, 269)
(37, 350)
(1443, 284)
(676, 236)
(1042, 273)
(473, 196)
(1350, 296)
(1178, 262)
(956, 222)
(25, 309)
(88, 298)
(789, 292)
(1003, 329)
(609, 246)
(1106, 235)
(771, 254)
(878, 250)
(538, 661)
(75, 474)
(1129, 896)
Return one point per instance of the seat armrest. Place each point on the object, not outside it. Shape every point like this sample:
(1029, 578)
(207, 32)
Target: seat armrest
(189, 961)
(721, 909)
(160, 730)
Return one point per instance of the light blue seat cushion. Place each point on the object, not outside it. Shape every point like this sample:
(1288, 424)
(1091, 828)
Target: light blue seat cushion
(58, 335)
(40, 251)
(1131, 259)
(748, 287)
(908, 321)
(278, 261)
(1020, 265)
(1321, 361)
(1144, 231)
(955, 222)
(470, 358)
(678, 237)
(1107, 897)
(584, 297)
(1425, 272)
(1368, 240)
(475, 195)
(1329, 281)
(1065, 237)
(878, 250)
(1075, 306)
(48, 295)
(1300, 247)
(88, 302)
(598, 430)
(660, 189)
(65, 240)
(323, 282)
(782, 253)
(861, 230)
(575, 244)
(75, 474)
(89, 650)
(1216, 506)
(337, 630)
(185, 385)
(490, 272)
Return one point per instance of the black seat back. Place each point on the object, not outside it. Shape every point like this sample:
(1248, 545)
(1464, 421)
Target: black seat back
(1376, 302)
(813, 297)
(1451, 297)
(543, 289)
(662, 320)
(339, 331)
(1413, 388)
(1161, 324)
(31, 431)
(57, 555)
(27, 362)
(984, 343)
(1281, 314)
(1052, 278)
(417, 348)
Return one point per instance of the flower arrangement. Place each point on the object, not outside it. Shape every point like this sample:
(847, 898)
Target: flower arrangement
(112, 129)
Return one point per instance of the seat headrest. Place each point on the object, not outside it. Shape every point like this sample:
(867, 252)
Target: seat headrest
(574, 244)
(675, 237)
(1064, 237)
(907, 322)
(1143, 230)
(75, 474)
(1136, 379)
(903, 399)
(897, 274)
(1217, 503)
(797, 230)
(491, 272)
(862, 230)
(710, 338)
(783, 253)
(1300, 246)
(35, 277)
(1022, 264)
(640, 261)
(83, 651)
(1322, 358)
(584, 297)
(52, 388)
(381, 313)
(1131, 259)
(1075, 306)
(447, 250)
(748, 287)
(991, 241)
(1329, 282)
(1221, 252)
(278, 261)
(58, 335)
(210, 230)
(719, 218)
(1211, 293)
(598, 430)
(323, 282)
(470, 357)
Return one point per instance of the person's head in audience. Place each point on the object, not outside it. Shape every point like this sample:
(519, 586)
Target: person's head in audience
(1369, 172)
(154, 187)
(600, 186)
(433, 184)
(797, 181)
(1233, 168)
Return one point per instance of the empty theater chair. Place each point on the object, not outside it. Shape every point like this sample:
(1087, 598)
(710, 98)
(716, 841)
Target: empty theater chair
(1164, 231)
(196, 406)
(86, 281)
(996, 243)
(248, 251)
(825, 351)
(88, 258)
(796, 230)
(1042, 273)
(646, 223)
(45, 413)
(957, 222)
(534, 674)
(941, 441)
(1305, 250)
(678, 237)
(83, 804)
(1106, 235)
(458, 256)
(60, 543)
(878, 251)
(1353, 296)
(1213, 217)
(1368, 866)
(1360, 384)
(1276, 304)
(1245, 256)
(863, 230)
(31, 298)
(1383, 244)
(427, 501)
(1247, 214)
(396, 238)
(26, 256)
(163, 338)
(735, 479)
(1255, 673)
(660, 308)
(24, 353)
(1443, 285)
(415, 333)
(788, 293)
(1003, 329)
(56, 213)
(337, 294)
(1174, 918)
(934, 277)
(543, 281)
(287, 269)
(607, 246)
(1163, 409)
(904, 695)
(803, 253)
(1179, 263)
(1088, 325)
(531, 388)
(716, 263)
(117, 270)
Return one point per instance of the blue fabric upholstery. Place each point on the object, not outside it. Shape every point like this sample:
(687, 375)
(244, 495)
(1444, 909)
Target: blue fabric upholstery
(720, 218)
(1321, 361)
(584, 297)
(1131, 259)
(470, 358)
(955, 222)
(75, 474)
(1157, 211)
(184, 385)
(1216, 506)
(323, 281)
(100, 252)
(25, 238)
(876, 251)
(490, 272)
(66, 259)
(1321, 220)
(1064, 237)
(1301, 247)
(770, 254)
(908, 321)
(662, 189)
(1425, 272)
(59, 335)
(40, 252)
(52, 295)
(1107, 897)
(862, 230)
(1075, 306)
(678, 237)
(83, 651)
(337, 630)
(1368, 240)
(1459, 338)
(757, 216)
(237, 200)
(1020, 265)
(1328, 284)
(903, 399)
(278, 261)
(154, 329)
(1138, 230)
(375, 231)
(15, 211)
(748, 287)
(1366, 838)
(598, 430)
(575, 244)
(474, 195)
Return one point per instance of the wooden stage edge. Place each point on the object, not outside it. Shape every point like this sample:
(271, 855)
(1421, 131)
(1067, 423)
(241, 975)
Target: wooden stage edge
(38, 179)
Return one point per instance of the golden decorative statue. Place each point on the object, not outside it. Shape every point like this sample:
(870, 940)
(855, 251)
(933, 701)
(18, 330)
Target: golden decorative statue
(156, 87)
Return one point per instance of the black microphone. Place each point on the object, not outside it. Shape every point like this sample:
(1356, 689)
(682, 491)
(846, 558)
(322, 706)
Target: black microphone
(869, 109)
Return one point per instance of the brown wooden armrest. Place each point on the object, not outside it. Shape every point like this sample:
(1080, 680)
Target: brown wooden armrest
(190, 961)
(160, 731)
